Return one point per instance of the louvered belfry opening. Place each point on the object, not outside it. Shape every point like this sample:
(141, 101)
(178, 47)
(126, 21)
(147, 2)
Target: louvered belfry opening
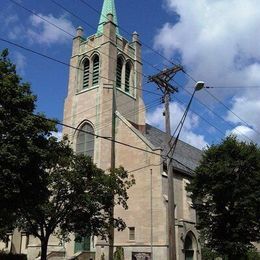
(127, 76)
(95, 70)
(119, 72)
(86, 74)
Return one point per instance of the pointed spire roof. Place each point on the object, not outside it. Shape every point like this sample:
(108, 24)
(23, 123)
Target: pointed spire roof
(108, 8)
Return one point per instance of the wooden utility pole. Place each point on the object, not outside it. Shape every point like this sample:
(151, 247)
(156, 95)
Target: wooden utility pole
(162, 80)
(113, 162)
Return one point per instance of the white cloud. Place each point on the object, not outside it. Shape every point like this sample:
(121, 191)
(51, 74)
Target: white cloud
(20, 61)
(246, 107)
(244, 133)
(37, 30)
(217, 40)
(192, 121)
(43, 32)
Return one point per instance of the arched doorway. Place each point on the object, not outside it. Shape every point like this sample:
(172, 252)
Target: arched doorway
(190, 247)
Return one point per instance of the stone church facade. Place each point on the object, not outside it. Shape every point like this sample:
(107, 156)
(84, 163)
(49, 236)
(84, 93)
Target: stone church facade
(106, 67)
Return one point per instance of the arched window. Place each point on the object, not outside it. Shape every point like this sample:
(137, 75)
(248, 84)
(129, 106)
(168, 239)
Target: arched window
(119, 72)
(95, 80)
(86, 74)
(190, 247)
(85, 140)
(127, 76)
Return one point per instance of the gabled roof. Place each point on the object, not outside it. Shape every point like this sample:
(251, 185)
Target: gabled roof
(186, 157)
(108, 8)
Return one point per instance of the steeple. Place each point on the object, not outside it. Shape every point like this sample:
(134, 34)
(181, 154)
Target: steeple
(108, 8)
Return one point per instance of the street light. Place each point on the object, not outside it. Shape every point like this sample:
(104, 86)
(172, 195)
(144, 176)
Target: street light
(162, 80)
(171, 204)
(198, 86)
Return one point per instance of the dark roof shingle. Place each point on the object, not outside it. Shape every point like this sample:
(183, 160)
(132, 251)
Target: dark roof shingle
(186, 157)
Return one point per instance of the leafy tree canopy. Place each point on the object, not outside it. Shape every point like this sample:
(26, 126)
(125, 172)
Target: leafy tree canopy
(45, 188)
(23, 140)
(226, 195)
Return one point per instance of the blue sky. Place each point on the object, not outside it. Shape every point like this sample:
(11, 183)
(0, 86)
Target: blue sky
(215, 40)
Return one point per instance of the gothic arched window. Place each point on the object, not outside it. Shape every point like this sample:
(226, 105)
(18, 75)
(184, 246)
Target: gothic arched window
(119, 72)
(95, 80)
(85, 140)
(86, 73)
(127, 76)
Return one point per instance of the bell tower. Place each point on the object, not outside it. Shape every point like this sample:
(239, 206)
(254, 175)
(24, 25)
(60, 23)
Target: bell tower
(103, 65)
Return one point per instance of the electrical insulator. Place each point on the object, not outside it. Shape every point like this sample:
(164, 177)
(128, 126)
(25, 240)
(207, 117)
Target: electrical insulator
(163, 100)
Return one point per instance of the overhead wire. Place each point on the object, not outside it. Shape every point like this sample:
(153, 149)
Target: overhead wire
(73, 36)
(93, 27)
(68, 33)
(233, 113)
(212, 111)
(227, 108)
(69, 65)
(93, 134)
(64, 63)
(242, 120)
(121, 28)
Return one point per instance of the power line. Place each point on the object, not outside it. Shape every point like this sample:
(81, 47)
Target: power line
(133, 112)
(93, 27)
(231, 111)
(42, 18)
(121, 28)
(227, 108)
(108, 123)
(75, 67)
(65, 63)
(57, 27)
(93, 134)
(129, 34)
(205, 120)
(220, 117)
(120, 93)
(233, 87)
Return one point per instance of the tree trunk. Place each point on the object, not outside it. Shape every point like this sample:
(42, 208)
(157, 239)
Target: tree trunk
(44, 246)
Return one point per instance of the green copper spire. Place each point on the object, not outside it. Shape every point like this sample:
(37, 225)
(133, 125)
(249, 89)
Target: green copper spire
(108, 8)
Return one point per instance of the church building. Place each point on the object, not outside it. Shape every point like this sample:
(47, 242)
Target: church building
(109, 79)
(105, 97)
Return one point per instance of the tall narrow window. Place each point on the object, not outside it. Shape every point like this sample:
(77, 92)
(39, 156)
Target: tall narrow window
(127, 76)
(119, 72)
(95, 70)
(86, 74)
(85, 140)
(131, 233)
(84, 145)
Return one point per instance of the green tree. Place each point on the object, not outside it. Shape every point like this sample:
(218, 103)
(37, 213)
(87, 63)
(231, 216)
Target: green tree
(226, 196)
(77, 197)
(23, 140)
(45, 188)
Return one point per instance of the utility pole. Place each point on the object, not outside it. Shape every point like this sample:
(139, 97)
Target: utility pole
(162, 79)
(151, 198)
(112, 164)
